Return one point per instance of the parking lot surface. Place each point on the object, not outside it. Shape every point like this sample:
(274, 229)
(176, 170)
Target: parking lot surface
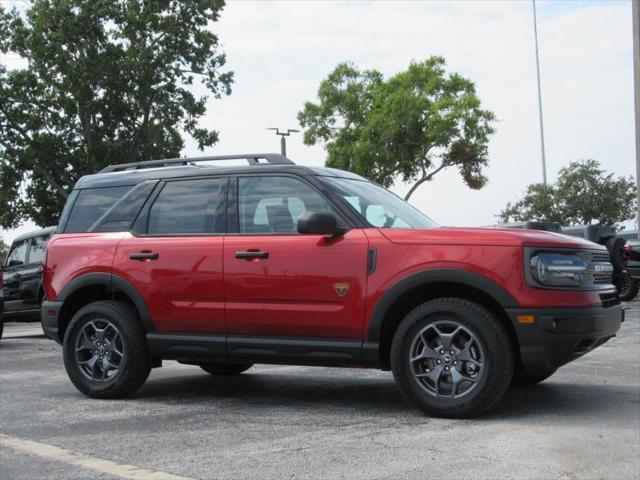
(306, 422)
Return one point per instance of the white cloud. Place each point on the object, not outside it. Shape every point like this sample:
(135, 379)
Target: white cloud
(281, 50)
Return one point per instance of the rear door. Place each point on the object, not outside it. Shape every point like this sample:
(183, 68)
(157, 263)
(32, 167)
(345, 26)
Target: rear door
(280, 283)
(174, 258)
(31, 277)
(14, 268)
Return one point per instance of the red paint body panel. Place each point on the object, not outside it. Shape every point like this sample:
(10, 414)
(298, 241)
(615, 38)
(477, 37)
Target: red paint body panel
(197, 285)
(402, 253)
(292, 292)
(484, 236)
(183, 288)
(72, 255)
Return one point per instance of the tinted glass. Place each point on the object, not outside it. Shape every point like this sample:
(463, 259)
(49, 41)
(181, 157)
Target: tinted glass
(274, 204)
(90, 205)
(378, 206)
(125, 211)
(189, 206)
(38, 247)
(19, 254)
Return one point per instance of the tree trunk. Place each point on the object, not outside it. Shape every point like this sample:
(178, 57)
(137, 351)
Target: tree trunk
(415, 186)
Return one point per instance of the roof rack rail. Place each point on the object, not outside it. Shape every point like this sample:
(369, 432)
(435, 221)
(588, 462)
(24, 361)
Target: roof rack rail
(251, 158)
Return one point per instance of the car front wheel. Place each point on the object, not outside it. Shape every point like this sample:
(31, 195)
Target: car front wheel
(452, 358)
(105, 351)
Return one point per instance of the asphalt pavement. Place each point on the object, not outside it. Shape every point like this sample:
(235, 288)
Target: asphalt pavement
(311, 422)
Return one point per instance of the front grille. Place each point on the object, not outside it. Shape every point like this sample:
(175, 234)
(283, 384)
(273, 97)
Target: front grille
(609, 299)
(600, 268)
(602, 278)
(600, 257)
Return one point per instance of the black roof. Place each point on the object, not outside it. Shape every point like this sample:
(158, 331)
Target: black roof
(134, 173)
(43, 232)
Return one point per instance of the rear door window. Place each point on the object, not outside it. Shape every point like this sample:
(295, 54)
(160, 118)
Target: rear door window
(18, 255)
(189, 207)
(38, 246)
(90, 205)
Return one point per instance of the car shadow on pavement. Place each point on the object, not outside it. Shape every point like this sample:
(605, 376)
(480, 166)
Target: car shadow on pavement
(264, 390)
(376, 395)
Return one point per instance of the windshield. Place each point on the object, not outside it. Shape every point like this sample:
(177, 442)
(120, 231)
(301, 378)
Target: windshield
(379, 207)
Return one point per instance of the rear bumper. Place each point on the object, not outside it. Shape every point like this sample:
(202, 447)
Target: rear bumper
(559, 335)
(49, 313)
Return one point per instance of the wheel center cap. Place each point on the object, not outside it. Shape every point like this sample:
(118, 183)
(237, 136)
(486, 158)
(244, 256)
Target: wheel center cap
(100, 350)
(447, 359)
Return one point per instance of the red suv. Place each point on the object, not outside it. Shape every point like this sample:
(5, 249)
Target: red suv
(227, 266)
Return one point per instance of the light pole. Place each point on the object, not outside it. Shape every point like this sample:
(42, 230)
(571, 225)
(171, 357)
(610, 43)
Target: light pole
(283, 141)
(535, 34)
(636, 61)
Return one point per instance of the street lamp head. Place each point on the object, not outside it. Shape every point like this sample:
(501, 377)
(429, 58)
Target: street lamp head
(285, 133)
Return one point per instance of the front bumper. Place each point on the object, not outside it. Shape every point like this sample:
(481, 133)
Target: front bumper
(49, 313)
(559, 335)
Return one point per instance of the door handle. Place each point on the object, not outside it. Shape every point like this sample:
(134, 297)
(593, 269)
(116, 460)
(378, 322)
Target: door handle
(252, 254)
(144, 256)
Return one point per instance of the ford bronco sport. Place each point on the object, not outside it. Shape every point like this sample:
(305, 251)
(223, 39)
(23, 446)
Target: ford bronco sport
(227, 266)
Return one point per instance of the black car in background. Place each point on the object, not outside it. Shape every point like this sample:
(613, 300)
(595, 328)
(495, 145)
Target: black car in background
(21, 277)
(632, 265)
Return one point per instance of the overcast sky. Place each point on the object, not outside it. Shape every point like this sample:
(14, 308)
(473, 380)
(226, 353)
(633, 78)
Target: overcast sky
(281, 50)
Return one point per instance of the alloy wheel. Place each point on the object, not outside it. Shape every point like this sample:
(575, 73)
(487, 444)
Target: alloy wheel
(99, 350)
(446, 359)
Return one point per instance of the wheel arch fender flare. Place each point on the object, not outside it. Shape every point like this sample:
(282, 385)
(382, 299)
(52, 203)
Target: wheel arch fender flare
(112, 283)
(433, 276)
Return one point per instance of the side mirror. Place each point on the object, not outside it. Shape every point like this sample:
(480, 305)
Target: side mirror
(319, 224)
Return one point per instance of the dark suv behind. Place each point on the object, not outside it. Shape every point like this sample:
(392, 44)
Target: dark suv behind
(21, 277)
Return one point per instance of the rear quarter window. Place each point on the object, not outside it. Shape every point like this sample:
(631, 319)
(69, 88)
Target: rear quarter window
(90, 205)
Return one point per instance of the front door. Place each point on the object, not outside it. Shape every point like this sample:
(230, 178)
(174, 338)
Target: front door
(283, 284)
(175, 259)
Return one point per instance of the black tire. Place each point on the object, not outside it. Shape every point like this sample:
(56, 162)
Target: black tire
(135, 362)
(522, 378)
(225, 369)
(492, 338)
(628, 287)
(1, 327)
(615, 245)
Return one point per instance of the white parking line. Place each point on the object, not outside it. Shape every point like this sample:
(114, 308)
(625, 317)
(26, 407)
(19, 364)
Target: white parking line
(70, 457)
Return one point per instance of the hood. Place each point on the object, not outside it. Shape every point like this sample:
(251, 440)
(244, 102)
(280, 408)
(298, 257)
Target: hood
(486, 236)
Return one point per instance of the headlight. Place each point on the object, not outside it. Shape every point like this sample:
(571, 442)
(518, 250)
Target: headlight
(559, 269)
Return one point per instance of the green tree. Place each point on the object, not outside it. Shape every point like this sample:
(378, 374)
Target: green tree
(583, 194)
(4, 251)
(108, 81)
(413, 125)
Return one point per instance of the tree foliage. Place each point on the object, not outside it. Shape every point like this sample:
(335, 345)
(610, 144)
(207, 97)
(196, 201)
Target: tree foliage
(413, 125)
(583, 194)
(108, 81)
(4, 250)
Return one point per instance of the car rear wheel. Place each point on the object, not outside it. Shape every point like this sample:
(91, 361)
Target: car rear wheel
(629, 287)
(105, 351)
(615, 245)
(452, 358)
(225, 369)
